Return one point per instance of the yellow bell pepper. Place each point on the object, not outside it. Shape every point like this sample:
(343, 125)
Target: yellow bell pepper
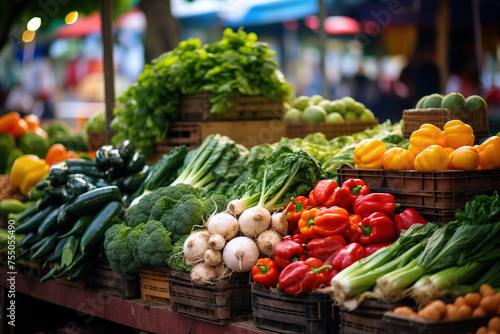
(458, 134)
(398, 158)
(26, 171)
(368, 154)
(432, 158)
(464, 158)
(426, 136)
(489, 153)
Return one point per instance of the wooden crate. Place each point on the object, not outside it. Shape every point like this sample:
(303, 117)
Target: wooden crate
(280, 312)
(224, 301)
(247, 133)
(103, 279)
(435, 195)
(330, 130)
(196, 108)
(155, 286)
(414, 118)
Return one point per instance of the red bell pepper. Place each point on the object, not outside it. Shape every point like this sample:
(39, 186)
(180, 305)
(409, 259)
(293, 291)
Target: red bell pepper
(376, 228)
(375, 202)
(323, 222)
(302, 276)
(344, 258)
(298, 238)
(266, 272)
(323, 193)
(349, 191)
(351, 232)
(370, 249)
(288, 251)
(407, 218)
(324, 247)
(294, 210)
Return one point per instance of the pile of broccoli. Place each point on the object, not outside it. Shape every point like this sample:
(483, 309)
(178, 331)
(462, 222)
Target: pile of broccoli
(178, 208)
(33, 143)
(129, 249)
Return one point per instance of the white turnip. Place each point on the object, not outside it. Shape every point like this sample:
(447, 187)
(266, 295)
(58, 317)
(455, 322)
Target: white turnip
(241, 254)
(212, 257)
(266, 242)
(235, 207)
(223, 223)
(254, 221)
(195, 246)
(202, 274)
(279, 223)
(216, 242)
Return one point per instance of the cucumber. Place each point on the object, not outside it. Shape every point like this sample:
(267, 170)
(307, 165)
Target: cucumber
(79, 226)
(48, 245)
(56, 255)
(29, 240)
(27, 213)
(94, 233)
(49, 224)
(31, 224)
(91, 171)
(93, 200)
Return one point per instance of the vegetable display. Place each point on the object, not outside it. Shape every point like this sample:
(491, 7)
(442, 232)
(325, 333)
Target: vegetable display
(236, 65)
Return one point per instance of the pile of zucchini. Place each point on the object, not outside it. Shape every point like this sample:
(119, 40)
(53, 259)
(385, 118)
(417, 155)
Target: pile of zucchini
(81, 200)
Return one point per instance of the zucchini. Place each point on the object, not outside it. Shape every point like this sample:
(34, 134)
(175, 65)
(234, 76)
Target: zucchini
(58, 174)
(79, 226)
(80, 163)
(91, 171)
(29, 240)
(48, 245)
(52, 195)
(27, 213)
(31, 224)
(49, 224)
(56, 255)
(101, 159)
(165, 168)
(126, 149)
(78, 271)
(94, 233)
(93, 200)
(134, 181)
(41, 185)
(77, 185)
(115, 159)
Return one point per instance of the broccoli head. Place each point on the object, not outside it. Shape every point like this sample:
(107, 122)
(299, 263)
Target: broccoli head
(33, 143)
(76, 142)
(57, 127)
(140, 212)
(154, 244)
(176, 260)
(216, 203)
(133, 242)
(119, 255)
(7, 145)
(164, 206)
(185, 214)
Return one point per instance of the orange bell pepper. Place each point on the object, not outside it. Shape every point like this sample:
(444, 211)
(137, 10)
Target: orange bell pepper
(398, 158)
(56, 153)
(489, 153)
(13, 123)
(458, 134)
(368, 154)
(316, 223)
(464, 158)
(424, 137)
(33, 122)
(432, 158)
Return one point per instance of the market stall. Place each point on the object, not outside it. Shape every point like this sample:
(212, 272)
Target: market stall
(224, 203)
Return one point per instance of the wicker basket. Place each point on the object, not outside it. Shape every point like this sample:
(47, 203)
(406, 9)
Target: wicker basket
(414, 118)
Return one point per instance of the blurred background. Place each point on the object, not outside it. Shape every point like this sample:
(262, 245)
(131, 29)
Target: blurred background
(384, 53)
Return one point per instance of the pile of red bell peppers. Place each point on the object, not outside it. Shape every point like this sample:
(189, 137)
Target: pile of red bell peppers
(331, 229)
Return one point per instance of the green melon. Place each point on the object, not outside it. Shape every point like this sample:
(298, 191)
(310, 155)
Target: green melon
(334, 117)
(293, 115)
(454, 101)
(433, 101)
(349, 102)
(337, 106)
(314, 114)
(350, 116)
(367, 115)
(324, 104)
(301, 102)
(315, 99)
(476, 102)
(359, 108)
(420, 103)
